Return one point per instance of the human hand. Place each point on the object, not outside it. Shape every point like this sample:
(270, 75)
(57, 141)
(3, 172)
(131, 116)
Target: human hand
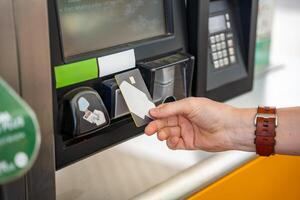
(200, 123)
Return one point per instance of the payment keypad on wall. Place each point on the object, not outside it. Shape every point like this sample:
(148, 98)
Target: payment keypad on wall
(221, 40)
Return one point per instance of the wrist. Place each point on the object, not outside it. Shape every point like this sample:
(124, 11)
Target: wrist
(243, 130)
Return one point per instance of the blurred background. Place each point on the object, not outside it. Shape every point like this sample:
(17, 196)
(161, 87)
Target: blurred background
(134, 166)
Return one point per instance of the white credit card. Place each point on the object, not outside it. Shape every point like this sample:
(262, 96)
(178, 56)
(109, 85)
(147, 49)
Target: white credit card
(136, 95)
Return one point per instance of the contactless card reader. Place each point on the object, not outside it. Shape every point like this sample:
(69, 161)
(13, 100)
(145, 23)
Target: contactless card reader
(83, 112)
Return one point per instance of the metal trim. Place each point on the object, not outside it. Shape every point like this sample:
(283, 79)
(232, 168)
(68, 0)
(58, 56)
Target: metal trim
(197, 177)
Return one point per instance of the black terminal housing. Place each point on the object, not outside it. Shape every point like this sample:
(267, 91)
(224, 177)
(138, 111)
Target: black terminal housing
(224, 81)
(71, 149)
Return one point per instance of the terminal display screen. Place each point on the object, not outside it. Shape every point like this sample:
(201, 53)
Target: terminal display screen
(217, 24)
(89, 25)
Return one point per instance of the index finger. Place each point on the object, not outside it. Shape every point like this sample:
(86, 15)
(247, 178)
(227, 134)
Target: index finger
(181, 107)
(158, 124)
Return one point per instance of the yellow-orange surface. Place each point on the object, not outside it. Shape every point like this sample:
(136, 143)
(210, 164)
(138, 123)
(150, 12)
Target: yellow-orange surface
(272, 178)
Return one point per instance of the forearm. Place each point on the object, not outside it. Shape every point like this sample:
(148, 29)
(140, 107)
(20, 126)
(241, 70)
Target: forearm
(287, 132)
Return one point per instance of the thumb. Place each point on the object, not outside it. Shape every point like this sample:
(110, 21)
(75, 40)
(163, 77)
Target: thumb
(181, 107)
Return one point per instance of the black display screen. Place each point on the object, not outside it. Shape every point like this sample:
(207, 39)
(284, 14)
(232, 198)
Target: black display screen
(217, 24)
(89, 25)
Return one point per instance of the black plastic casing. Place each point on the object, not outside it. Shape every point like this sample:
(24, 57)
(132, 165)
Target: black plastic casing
(68, 151)
(244, 14)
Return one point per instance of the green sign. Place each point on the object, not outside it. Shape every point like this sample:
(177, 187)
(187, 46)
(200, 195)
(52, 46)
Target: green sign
(19, 135)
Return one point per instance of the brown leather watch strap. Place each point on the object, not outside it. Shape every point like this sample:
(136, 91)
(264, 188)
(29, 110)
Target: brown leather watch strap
(266, 122)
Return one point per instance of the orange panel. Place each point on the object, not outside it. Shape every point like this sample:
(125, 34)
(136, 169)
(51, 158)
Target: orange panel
(272, 178)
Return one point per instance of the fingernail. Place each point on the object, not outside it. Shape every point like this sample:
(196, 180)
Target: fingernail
(153, 111)
(174, 140)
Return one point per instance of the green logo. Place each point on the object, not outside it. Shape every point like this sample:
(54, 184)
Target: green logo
(19, 135)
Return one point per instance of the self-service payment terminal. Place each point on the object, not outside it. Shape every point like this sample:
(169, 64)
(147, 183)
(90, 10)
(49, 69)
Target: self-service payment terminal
(92, 41)
(222, 35)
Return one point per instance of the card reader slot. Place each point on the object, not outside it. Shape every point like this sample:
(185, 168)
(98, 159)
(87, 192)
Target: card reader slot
(168, 78)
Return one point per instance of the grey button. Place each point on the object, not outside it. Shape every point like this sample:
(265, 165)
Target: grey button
(218, 39)
(220, 54)
(223, 44)
(226, 61)
(225, 54)
(229, 35)
(231, 51)
(227, 16)
(221, 62)
(213, 47)
(232, 59)
(216, 64)
(230, 43)
(222, 36)
(219, 46)
(212, 39)
(215, 56)
(228, 25)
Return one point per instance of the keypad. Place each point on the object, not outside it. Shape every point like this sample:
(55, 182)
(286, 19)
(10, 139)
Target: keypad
(223, 52)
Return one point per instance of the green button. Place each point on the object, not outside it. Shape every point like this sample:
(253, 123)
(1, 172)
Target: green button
(19, 135)
(78, 72)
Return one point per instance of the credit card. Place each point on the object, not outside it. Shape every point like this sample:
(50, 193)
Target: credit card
(136, 96)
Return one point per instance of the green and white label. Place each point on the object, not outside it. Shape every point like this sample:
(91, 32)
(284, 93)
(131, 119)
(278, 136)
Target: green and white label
(19, 135)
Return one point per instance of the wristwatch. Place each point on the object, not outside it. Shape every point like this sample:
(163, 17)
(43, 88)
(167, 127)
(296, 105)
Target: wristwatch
(266, 121)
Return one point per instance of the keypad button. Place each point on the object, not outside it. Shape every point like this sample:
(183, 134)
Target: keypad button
(215, 56)
(219, 46)
(226, 61)
(216, 64)
(222, 37)
(229, 35)
(213, 47)
(230, 43)
(228, 25)
(220, 54)
(225, 53)
(232, 59)
(212, 39)
(221, 63)
(227, 16)
(231, 51)
(223, 44)
(218, 39)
